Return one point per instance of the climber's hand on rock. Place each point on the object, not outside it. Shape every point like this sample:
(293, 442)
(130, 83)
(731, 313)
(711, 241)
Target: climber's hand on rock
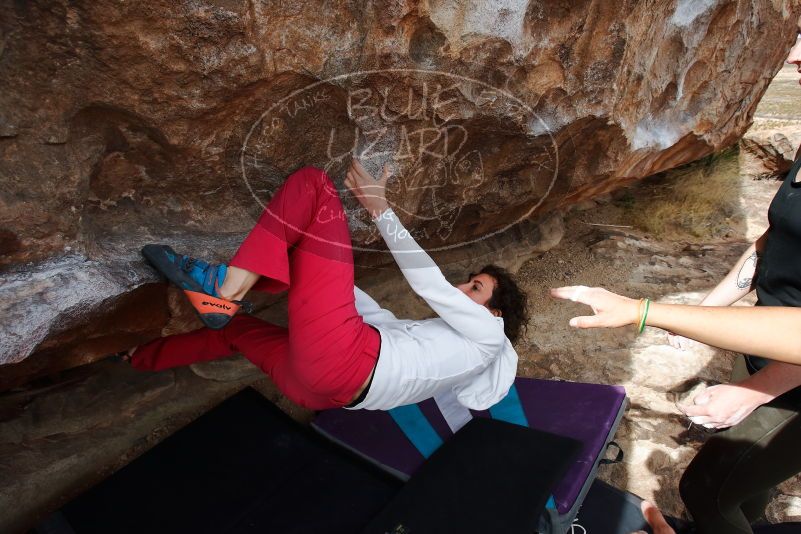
(725, 405)
(611, 310)
(370, 192)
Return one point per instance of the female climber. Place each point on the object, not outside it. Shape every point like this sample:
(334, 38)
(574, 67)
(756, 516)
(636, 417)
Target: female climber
(340, 347)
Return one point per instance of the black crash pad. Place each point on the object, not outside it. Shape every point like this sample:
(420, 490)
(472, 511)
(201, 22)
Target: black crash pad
(244, 466)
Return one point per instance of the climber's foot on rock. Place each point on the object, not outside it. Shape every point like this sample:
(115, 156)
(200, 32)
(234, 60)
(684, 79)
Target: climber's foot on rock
(125, 355)
(199, 280)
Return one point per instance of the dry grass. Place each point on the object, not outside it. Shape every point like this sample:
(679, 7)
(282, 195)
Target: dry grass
(699, 201)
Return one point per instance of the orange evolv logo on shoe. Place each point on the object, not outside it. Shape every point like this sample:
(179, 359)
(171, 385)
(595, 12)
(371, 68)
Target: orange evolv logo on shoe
(204, 303)
(223, 306)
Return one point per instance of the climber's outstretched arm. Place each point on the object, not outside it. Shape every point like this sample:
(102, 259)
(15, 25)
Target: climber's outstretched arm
(474, 321)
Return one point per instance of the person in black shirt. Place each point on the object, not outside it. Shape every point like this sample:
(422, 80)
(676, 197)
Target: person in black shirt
(727, 486)
(768, 330)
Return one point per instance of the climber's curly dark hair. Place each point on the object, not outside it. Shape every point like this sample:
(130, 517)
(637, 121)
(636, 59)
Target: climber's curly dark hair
(509, 299)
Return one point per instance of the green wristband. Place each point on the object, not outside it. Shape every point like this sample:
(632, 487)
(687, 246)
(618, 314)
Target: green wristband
(644, 316)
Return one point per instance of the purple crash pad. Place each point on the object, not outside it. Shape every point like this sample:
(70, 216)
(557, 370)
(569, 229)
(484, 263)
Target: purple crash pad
(589, 413)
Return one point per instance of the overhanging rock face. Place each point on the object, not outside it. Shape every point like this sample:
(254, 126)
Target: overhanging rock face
(124, 123)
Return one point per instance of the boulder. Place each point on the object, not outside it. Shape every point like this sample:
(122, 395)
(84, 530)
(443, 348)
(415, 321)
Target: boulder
(769, 147)
(769, 154)
(128, 123)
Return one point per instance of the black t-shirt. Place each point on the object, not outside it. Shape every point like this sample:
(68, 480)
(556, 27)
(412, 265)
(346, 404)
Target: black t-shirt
(778, 280)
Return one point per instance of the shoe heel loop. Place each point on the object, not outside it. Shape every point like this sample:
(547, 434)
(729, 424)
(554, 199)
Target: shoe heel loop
(246, 306)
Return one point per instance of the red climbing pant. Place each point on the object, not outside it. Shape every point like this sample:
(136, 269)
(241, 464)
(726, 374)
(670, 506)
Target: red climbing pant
(301, 243)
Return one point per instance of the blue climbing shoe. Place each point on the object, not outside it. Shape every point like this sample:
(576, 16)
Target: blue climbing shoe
(199, 280)
(210, 277)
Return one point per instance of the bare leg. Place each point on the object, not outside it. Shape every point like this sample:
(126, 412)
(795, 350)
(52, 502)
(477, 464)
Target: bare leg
(237, 283)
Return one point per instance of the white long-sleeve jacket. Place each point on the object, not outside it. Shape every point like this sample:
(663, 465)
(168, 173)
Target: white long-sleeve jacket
(464, 350)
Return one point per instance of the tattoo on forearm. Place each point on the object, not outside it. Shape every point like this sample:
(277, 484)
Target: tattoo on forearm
(747, 272)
